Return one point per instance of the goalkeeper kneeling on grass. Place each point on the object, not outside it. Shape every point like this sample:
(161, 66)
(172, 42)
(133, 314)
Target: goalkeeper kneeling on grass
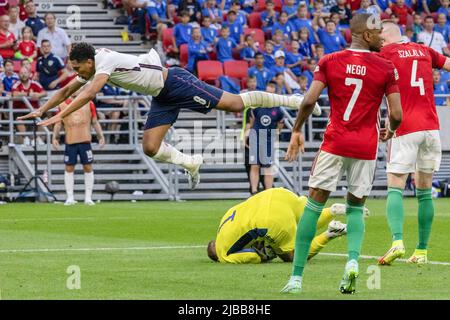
(264, 227)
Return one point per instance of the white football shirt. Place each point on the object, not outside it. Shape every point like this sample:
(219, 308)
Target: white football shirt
(142, 74)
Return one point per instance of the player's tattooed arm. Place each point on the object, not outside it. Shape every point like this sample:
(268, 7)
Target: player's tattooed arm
(88, 93)
(297, 142)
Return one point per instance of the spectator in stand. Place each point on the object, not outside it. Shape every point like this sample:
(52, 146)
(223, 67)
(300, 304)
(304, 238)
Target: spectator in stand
(278, 40)
(209, 34)
(401, 10)
(319, 8)
(417, 26)
(302, 21)
(138, 11)
(285, 26)
(269, 17)
(71, 74)
(303, 83)
(444, 8)
(262, 74)
(33, 21)
(249, 5)
(251, 86)
(241, 14)
(440, 88)
(320, 52)
(50, 69)
(58, 38)
(328, 4)
(225, 45)
(182, 31)
(26, 87)
(280, 67)
(25, 63)
(159, 14)
(368, 7)
(344, 12)
(15, 24)
(236, 29)
(193, 7)
(335, 18)
(291, 9)
(294, 59)
(9, 77)
(197, 50)
(308, 72)
(26, 47)
(8, 42)
(213, 11)
(443, 27)
(354, 4)
(269, 57)
(307, 49)
(431, 38)
(331, 40)
(282, 85)
(22, 11)
(250, 49)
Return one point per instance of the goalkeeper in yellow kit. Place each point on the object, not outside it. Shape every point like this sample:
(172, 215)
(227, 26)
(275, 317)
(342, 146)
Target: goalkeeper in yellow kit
(264, 227)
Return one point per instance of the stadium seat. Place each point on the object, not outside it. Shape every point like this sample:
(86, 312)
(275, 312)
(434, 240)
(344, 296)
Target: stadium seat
(254, 20)
(278, 5)
(184, 55)
(258, 35)
(348, 35)
(261, 5)
(435, 16)
(167, 39)
(16, 66)
(236, 68)
(209, 71)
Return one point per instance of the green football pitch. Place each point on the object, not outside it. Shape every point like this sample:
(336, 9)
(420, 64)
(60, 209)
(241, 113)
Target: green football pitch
(157, 250)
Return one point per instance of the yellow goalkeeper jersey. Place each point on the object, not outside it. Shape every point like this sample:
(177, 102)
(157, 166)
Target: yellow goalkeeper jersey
(271, 215)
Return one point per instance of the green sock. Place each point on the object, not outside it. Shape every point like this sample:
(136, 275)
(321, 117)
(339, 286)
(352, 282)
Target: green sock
(306, 231)
(355, 229)
(395, 212)
(426, 214)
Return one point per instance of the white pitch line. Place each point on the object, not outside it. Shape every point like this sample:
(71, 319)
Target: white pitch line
(64, 219)
(96, 249)
(375, 257)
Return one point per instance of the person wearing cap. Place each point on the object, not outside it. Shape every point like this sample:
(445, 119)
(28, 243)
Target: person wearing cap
(280, 67)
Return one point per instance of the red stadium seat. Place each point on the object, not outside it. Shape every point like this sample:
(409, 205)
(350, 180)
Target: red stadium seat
(278, 5)
(184, 55)
(209, 71)
(167, 39)
(435, 16)
(236, 68)
(261, 5)
(16, 66)
(254, 20)
(258, 35)
(348, 35)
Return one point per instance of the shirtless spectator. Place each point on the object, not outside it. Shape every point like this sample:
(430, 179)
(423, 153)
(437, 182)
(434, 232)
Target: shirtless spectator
(78, 138)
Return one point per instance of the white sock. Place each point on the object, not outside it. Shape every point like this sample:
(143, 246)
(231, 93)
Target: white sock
(296, 278)
(88, 185)
(260, 99)
(68, 183)
(168, 153)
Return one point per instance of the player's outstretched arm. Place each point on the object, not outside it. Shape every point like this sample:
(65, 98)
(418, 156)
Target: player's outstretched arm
(59, 97)
(297, 143)
(395, 116)
(446, 66)
(87, 94)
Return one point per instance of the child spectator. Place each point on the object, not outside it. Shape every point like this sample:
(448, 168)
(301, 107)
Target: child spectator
(213, 11)
(320, 52)
(269, 58)
(291, 9)
(182, 32)
(269, 17)
(260, 72)
(225, 45)
(285, 26)
(26, 47)
(401, 10)
(302, 21)
(443, 27)
(209, 34)
(236, 29)
(278, 40)
(306, 47)
(309, 70)
(444, 8)
(369, 8)
(198, 50)
(294, 58)
(440, 88)
(25, 63)
(320, 10)
(280, 67)
(282, 85)
(417, 26)
(250, 49)
(303, 83)
(335, 18)
(9, 77)
(241, 14)
(331, 40)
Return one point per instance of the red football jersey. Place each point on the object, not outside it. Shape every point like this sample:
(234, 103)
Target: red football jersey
(357, 80)
(27, 48)
(414, 63)
(33, 86)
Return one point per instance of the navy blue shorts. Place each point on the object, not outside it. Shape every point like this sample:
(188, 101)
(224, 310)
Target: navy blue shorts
(261, 148)
(181, 90)
(72, 151)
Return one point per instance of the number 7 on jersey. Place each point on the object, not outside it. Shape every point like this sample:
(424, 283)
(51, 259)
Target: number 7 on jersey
(358, 86)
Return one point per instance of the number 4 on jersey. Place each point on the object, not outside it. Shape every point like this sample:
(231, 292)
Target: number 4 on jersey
(418, 82)
(358, 86)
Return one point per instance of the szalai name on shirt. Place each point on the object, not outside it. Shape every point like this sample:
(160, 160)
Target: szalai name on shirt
(410, 53)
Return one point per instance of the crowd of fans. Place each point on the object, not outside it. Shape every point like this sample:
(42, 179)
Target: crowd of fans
(297, 33)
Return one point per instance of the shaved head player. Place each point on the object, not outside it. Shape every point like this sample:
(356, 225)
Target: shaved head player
(416, 146)
(172, 89)
(357, 79)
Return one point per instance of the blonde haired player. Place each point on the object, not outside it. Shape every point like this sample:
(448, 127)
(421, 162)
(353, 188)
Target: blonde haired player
(264, 226)
(78, 138)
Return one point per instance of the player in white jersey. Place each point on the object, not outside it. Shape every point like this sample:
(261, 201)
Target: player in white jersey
(172, 89)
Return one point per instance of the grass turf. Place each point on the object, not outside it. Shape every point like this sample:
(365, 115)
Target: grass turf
(152, 267)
